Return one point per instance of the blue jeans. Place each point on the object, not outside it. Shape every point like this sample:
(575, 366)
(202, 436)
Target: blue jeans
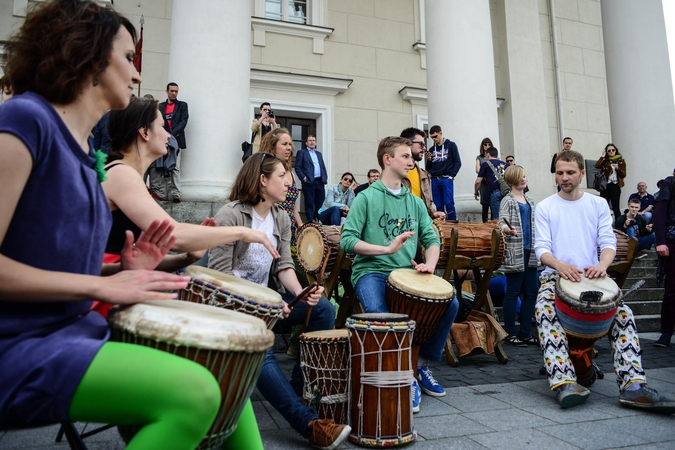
(495, 201)
(516, 283)
(285, 396)
(648, 216)
(331, 216)
(644, 242)
(314, 194)
(443, 190)
(370, 290)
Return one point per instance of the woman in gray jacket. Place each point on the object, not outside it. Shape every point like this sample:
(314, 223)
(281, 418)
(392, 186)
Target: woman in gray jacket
(516, 219)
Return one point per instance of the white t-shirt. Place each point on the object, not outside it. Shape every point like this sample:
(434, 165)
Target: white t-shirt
(255, 265)
(572, 231)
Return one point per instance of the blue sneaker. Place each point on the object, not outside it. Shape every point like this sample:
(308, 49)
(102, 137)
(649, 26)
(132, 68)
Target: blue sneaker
(416, 396)
(428, 383)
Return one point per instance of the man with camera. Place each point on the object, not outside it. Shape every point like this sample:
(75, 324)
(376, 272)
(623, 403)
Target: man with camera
(262, 125)
(635, 225)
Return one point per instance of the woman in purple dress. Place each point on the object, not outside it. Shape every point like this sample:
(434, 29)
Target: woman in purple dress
(71, 62)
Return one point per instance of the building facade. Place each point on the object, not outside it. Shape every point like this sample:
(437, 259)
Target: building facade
(525, 73)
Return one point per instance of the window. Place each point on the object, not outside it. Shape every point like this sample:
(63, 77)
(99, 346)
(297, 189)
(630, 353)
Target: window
(287, 10)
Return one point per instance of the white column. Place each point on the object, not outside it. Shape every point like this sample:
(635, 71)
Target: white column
(640, 90)
(210, 61)
(525, 113)
(461, 83)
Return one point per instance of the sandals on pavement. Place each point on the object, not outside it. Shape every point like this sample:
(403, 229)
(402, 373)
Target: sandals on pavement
(513, 340)
(531, 341)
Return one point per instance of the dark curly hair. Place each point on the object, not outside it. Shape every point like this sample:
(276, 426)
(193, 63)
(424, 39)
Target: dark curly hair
(60, 45)
(123, 125)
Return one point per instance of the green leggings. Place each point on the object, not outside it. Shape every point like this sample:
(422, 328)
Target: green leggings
(176, 399)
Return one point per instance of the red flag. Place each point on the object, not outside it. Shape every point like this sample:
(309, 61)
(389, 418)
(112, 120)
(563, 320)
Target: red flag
(138, 59)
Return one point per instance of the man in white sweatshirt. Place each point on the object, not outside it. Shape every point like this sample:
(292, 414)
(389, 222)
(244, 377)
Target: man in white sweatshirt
(570, 226)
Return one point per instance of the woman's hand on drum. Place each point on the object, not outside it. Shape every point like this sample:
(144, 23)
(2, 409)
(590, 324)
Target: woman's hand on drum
(253, 236)
(397, 243)
(662, 250)
(150, 248)
(423, 268)
(569, 272)
(133, 286)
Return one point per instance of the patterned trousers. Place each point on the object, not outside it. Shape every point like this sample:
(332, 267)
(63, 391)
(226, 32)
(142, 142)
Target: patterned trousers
(623, 340)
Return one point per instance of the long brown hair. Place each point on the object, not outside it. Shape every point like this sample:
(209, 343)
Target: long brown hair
(481, 150)
(247, 187)
(269, 144)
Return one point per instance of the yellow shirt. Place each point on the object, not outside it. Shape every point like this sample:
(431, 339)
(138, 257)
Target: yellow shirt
(414, 177)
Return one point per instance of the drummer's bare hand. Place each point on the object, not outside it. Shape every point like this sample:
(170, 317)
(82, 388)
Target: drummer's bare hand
(313, 296)
(259, 237)
(569, 272)
(133, 286)
(150, 248)
(399, 241)
(423, 268)
(662, 250)
(439, 215)
(286, 311)
(595, 271)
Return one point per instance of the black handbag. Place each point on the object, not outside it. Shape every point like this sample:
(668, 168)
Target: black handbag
(247, 148)
(600, 182)
(504, 187)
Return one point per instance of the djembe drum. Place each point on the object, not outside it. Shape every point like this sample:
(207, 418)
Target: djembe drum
(586, 311)
(381, 376)
(229, 344)
(317, 243)
(473, 240)
(214, 288)
(421, 296)
(324, 360)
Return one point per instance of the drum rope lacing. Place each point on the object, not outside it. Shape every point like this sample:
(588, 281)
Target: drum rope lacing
(325, 367)
(402, 332)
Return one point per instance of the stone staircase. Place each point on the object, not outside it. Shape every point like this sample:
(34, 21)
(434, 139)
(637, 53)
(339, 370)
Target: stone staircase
(645, 303)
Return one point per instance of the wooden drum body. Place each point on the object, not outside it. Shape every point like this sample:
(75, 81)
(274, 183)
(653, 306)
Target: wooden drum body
(230, 345)
(421, 296)
(324, 359)
(586, 311)
(317, 243)
(381, 376)
(214, 288)
(473, 240)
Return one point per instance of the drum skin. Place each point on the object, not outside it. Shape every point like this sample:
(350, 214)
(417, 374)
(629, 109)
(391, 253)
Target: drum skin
(424, 297)
(324, 359)
(229, 344)
(381, 376)
(473, 240)
(315, 244)
(210, 287)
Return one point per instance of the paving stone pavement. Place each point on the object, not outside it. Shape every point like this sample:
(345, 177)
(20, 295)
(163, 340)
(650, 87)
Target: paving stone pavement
(488, 405)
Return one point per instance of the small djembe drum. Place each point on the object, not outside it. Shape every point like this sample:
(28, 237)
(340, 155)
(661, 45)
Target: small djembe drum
(229, 344)
(381, 376)
(421, 296)
(210, 287)
(473, 240)
(324, 360)
(317, 243)
(586, 311)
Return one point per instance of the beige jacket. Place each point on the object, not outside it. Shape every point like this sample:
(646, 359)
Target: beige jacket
(425, 187)
(255, 128)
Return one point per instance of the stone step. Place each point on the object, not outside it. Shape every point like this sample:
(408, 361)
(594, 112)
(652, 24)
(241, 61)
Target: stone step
(650, 282)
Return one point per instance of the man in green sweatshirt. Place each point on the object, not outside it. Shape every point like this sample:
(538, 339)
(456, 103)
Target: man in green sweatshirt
(382, 229)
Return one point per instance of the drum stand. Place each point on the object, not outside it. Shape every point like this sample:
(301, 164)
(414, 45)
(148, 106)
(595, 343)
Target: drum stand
(482, 300)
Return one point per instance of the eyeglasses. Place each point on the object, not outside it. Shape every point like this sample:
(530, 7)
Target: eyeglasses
(509, 161)
(434, 136)
(420, 143)
(486, 143)
(348, 180)
(265, 110)
(611, 149)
